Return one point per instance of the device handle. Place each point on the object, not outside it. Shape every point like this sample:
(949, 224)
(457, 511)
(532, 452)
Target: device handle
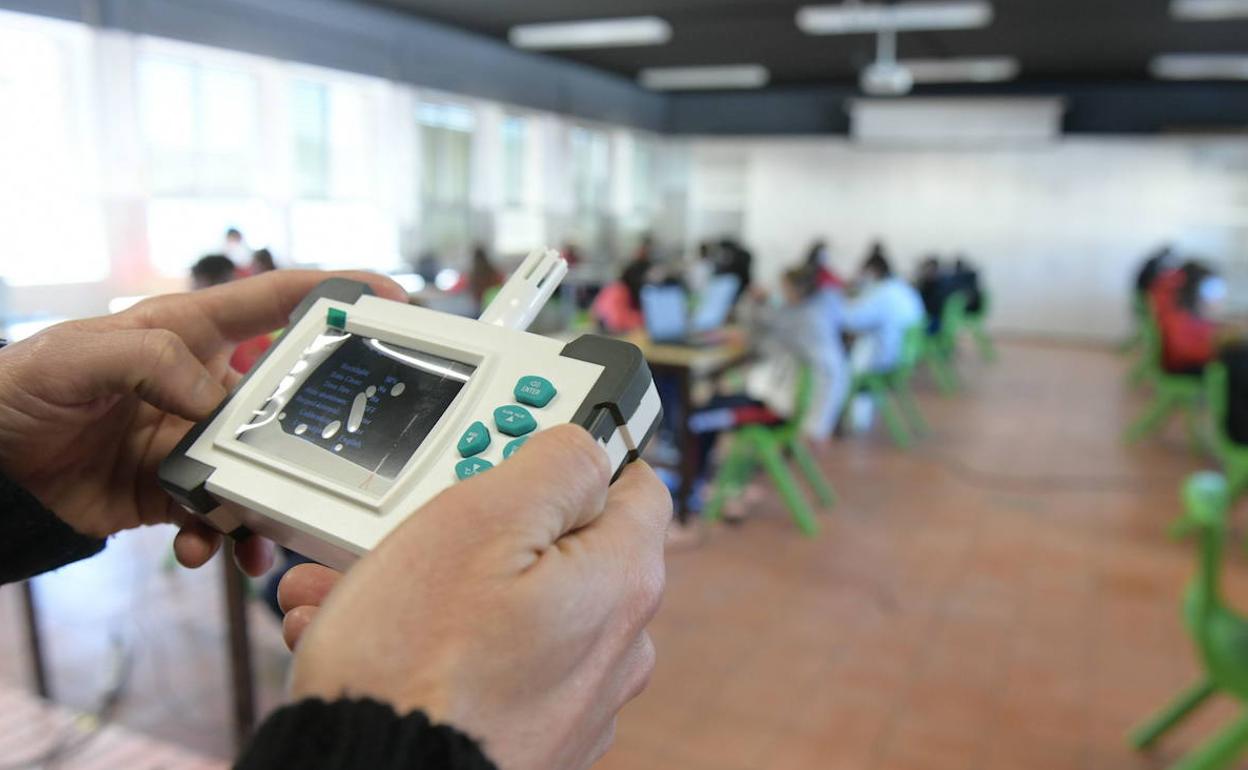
(524, 295)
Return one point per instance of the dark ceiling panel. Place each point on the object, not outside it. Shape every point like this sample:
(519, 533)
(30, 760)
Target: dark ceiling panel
(1091, 40)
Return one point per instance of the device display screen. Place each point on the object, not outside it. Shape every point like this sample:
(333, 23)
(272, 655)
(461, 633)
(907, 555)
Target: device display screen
(370, 402)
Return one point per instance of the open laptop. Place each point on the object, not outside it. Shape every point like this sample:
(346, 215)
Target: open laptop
(668, 320)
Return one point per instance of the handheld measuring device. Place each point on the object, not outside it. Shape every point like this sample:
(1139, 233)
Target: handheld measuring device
(365, 409)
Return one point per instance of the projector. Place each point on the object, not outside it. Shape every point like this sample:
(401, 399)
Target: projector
(886, 78)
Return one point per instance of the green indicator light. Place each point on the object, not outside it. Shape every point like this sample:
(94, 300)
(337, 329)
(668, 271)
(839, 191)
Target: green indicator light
(337, 318)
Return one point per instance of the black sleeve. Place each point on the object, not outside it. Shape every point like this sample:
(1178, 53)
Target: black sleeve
(349, 734)
(33, 539)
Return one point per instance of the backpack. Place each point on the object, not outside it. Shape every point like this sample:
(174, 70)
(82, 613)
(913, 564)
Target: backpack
(1235, 357)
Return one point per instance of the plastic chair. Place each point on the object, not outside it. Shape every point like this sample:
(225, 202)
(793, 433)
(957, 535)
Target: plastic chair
(1221, 635)
(892, 390)
(974, 323)
(1232, 454)
(1170, 392)
(939, 348)
(768, 445)
(1148, 337)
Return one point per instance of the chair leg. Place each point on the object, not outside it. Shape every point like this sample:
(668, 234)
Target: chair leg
(1196, 434)
(1139, 373)
(987, 350)
(790, 492)
(910, 406)
(892, 418)
(1220, 751)
(942, 372)
(1176, 711)
(727, 477)
(1153, 417)
(813, 473)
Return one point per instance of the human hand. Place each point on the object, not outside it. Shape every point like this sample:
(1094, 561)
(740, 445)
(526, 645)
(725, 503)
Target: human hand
(513, 606)
(89, 408)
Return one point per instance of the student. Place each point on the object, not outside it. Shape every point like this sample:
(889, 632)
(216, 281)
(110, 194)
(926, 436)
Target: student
(637, 272)
(1161, 260)
(790, 337)
(935, 285)
(236, 247)
(1185, 302)
(262, 262)
(966, 280)
(819, 259)
(475, 636)
(886, 308)
(734, 259)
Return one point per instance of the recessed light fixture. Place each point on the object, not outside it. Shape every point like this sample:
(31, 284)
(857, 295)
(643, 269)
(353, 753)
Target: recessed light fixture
(1200, 66)
(1208, 10)
(593, 33)
(698, 78)
(857, 18)
(988, 69)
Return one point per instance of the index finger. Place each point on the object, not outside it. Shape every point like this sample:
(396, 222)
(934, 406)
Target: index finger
(243, 309)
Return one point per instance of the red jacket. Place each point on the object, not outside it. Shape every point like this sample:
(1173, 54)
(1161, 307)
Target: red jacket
(1187, 341)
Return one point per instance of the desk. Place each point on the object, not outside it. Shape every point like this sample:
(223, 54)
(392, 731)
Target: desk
(687, 365)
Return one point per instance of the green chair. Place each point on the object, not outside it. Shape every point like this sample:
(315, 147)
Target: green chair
(1171, 392)
(893, 393)
(974, 323)
(1139, 313)
(1149, 342)
(1230, 453)
(1221, 635)
(939, 348)
(768, 445)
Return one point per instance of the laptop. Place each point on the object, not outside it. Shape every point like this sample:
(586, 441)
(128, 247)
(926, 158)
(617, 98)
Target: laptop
(667, 316)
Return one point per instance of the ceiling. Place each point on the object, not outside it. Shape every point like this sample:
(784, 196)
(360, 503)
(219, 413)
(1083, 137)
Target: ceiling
(1067, 40)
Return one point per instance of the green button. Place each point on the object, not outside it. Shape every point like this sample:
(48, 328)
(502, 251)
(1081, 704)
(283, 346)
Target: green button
(512, 446)
(475, 440)
(535, 391)
(514, 420)
(466, 469)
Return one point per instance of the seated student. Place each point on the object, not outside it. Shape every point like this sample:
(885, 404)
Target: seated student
(819, 258)
(1184, 302)
(1158, 262)
(788, 338)
(482, 275)
(881, 315)
(213, 270)
(966, 280)
(935, 285)
(615, 309)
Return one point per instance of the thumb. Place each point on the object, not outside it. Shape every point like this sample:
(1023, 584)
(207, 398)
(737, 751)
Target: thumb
(154, 364)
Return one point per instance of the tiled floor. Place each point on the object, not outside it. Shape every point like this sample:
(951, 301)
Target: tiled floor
(1003, 597)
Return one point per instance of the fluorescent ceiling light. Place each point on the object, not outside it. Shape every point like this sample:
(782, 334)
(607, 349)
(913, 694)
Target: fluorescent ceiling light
(1208, 10)
(1200, 66)
(988, 69)
(594, 33)
(696, 78)
(857, 18)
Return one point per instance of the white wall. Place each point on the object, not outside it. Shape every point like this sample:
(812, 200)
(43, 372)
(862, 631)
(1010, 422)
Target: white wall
(1057, 228)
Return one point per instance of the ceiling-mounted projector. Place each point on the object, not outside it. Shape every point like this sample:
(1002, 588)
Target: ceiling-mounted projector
(886, 78)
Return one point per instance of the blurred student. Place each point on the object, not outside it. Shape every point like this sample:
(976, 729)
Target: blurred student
(482, 275)
(213, 270)
(819, 258)
(262, 262)
(1158, 262)
(966, 280)
(236, 247)
(935, 285)
(790, 338)
(734, 259)
(616, 309)
(881, 314)
(1186, 302)
(637, 272)
(571, 254)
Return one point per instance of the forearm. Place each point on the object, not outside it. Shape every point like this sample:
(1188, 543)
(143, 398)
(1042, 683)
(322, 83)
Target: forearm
(33, 539)
(345, 734)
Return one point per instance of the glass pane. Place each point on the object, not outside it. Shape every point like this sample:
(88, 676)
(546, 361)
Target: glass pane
(309, 120)
(513, 132)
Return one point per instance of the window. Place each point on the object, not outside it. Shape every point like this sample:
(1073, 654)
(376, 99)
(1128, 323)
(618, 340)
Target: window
(645, 182)
(53, 221)
(590, 161)
(514, 161)
(309, 120)
(446, 172)
(200, 126)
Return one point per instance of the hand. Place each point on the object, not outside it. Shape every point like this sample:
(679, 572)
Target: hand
(88, 409)
(513, 606)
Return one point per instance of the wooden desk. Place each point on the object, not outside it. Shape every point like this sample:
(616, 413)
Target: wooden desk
(687, 365)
